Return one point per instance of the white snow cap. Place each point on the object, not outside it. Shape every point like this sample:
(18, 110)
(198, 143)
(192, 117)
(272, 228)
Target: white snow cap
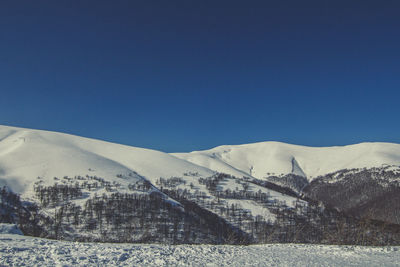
(274, 158)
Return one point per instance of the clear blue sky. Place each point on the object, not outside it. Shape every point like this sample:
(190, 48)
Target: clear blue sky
(188, 75)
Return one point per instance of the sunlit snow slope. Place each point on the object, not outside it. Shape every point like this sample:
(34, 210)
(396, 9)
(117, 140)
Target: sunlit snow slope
(274, 158)
(26, 154)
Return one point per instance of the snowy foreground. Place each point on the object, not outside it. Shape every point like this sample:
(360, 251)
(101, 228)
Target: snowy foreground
(16, 250)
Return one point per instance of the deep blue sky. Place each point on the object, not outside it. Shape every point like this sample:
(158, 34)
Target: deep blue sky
(189, 75)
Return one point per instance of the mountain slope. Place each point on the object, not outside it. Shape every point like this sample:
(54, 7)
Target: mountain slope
(26, 154)
(361, 180)
(69, 176)
(82, 189)
(265, 159)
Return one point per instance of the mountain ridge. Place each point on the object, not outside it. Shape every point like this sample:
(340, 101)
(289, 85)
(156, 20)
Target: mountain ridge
(258, 160)
(276, 158)
(77, 188)
(26, 154)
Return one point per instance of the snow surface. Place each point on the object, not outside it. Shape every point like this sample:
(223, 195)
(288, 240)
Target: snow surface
(27, 154)
(18, 250)
(274, 158)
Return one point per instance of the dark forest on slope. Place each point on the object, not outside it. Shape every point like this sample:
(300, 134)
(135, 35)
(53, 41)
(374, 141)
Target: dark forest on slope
(364, 193)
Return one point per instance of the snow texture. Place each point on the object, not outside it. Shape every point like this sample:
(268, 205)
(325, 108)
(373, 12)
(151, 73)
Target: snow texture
(18, 250)
(27, 154)
(263, 159)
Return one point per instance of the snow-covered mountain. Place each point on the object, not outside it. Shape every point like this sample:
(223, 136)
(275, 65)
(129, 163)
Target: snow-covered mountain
(71, 173)
(27, 154)
(264, 159)
(362, 179)
(78, 188)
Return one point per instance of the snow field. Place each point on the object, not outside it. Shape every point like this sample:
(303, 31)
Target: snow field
(27, 154)
(21, 250)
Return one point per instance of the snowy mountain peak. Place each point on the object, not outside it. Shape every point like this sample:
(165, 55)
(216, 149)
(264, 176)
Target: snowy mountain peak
(27, 154)
(263, 159)
(86, 189)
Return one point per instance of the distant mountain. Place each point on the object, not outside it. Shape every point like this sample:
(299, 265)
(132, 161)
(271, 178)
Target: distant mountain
(264, 159)
(362, 179)
(63, 186)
